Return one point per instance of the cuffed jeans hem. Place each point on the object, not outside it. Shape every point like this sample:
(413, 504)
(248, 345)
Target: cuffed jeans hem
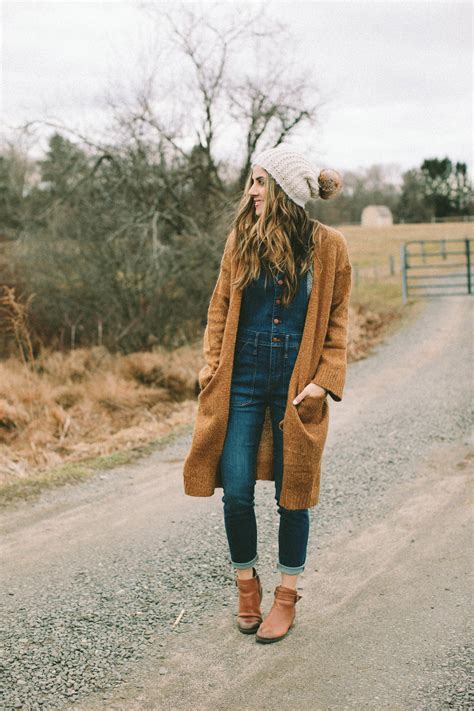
(245, 565)
(290, 571)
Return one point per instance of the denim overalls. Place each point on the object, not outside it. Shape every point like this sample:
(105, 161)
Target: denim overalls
(267, 344)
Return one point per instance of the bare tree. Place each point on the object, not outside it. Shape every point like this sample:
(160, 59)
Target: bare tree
(234, 70)
(133, 221)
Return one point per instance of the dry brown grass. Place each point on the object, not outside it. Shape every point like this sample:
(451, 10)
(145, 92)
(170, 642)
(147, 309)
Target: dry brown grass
(373, 245)
(89, 403)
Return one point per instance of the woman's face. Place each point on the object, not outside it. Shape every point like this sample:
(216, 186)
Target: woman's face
(258, 188)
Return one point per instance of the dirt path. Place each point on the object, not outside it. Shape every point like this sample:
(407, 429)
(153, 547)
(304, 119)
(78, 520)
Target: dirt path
(93, 576)
(376, 621)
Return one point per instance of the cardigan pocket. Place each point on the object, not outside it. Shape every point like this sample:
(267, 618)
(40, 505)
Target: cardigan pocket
(205, 376)
(208, 403)
(312, 409)
(206, 382)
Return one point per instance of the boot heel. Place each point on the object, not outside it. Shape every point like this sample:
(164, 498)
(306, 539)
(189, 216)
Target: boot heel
(249, 616)
(281, 617)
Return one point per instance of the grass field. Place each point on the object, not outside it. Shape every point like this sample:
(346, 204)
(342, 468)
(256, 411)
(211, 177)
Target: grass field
(373, 245)
(89, 409)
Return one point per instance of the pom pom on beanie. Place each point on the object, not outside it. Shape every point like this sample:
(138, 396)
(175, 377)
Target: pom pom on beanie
(330, 184)
(297, 176)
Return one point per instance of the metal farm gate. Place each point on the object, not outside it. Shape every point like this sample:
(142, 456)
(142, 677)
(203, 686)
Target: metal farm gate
(436, 267)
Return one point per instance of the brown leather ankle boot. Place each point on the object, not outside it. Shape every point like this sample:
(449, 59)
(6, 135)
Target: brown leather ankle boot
(250, 596)
(281, 617)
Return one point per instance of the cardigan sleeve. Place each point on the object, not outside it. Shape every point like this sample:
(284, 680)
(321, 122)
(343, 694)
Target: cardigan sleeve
(331, 370)
(216, 318)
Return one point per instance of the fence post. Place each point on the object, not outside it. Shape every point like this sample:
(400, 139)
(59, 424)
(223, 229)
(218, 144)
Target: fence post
(391, 265)
(467, 243)
(403, 266)
(443, 248)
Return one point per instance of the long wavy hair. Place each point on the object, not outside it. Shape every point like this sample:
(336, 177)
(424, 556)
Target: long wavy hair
(282, 238)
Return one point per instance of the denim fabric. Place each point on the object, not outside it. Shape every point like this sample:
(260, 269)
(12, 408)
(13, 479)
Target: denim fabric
(261, 305)
(264, 358)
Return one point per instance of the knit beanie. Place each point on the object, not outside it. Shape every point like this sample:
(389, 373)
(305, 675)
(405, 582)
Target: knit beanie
(296, 175)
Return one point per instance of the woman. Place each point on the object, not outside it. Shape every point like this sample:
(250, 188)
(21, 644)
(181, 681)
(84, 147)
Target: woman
(275, 345)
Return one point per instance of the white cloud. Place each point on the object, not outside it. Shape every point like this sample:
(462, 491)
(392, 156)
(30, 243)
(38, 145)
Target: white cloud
(397, 72)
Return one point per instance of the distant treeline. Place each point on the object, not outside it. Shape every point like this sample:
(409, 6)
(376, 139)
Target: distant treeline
(121, 246)
(119, 235)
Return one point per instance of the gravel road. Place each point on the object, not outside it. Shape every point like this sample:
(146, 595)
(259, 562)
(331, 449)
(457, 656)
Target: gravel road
(95, 575)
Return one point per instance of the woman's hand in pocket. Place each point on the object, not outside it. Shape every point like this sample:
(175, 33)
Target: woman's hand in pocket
(311, 390)
(204, 377)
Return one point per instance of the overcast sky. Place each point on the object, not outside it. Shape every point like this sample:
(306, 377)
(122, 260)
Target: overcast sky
(398, 74)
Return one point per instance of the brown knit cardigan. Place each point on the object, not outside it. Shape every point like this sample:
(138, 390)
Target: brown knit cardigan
(322, 359)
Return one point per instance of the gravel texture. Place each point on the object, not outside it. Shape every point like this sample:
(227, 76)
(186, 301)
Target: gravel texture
(95, 575)
(451, 682)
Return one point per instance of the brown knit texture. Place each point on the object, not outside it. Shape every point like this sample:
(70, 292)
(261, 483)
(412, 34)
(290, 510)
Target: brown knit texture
(322, 359)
